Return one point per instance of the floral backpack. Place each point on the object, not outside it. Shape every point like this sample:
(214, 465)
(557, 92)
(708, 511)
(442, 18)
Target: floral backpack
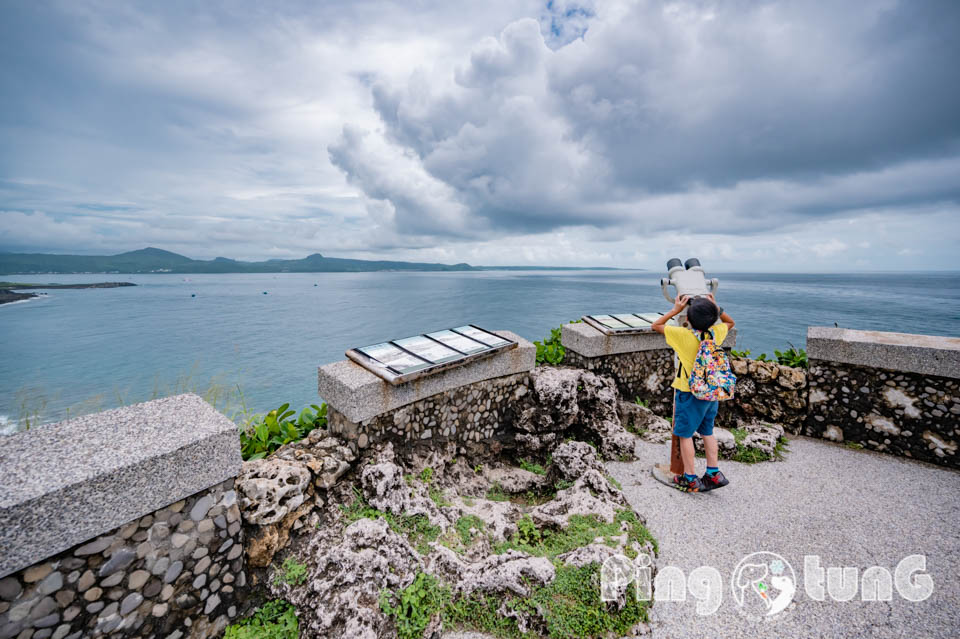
(711, 378)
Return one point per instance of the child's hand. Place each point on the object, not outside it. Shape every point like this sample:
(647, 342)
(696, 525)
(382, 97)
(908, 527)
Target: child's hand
(680, 303)
(710, 297)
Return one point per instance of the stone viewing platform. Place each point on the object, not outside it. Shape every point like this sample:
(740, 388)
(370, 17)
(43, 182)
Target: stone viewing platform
(105, 519)
(363, 407)
(143, 522)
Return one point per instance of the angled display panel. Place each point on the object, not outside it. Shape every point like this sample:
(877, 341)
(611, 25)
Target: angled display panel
(404, 360)
(459, 342)
(430, 350)
(387, 355)
(481, 335)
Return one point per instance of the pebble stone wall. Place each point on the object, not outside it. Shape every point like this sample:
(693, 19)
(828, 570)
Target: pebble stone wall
(173, 573)
(907, 414)
(643, 374)
(466, 414)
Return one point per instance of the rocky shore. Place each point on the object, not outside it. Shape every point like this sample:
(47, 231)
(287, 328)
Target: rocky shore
(8, 290)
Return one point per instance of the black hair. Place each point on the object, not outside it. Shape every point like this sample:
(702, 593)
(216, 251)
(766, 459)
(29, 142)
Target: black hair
(701, 313)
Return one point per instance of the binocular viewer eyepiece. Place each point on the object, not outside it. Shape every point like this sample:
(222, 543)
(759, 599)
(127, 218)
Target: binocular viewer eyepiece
(675, 262)
(687, 278)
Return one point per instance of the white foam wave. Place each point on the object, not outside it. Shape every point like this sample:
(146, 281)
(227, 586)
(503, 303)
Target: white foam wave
(7, 427)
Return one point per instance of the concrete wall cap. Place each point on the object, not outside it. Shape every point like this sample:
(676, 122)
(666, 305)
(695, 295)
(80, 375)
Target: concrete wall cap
(68, 482)
(923, 354)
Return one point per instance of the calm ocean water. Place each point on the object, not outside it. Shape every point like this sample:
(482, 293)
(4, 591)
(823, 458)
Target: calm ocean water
(78, 351)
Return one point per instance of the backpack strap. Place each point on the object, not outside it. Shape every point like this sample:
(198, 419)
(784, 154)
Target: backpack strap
(680, 368)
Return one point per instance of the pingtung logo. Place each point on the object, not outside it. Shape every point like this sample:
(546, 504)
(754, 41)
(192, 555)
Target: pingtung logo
(763, 584)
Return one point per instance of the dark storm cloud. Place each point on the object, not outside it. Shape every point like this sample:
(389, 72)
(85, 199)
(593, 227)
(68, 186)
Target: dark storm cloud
(658, 100)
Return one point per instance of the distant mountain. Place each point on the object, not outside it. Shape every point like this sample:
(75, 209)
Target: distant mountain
(154, 260)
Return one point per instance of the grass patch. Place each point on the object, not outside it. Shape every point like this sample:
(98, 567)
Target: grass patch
(292, 572)
(746, 455)
(570, 607)
(416, 528)
(613, 482)
(496, 493)
(532, 467)
(854, 446)
(436, 496)
(581, 532)
(465, 526)
(273, 620)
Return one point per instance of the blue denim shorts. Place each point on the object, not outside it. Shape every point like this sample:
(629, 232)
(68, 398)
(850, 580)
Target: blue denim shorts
(693, 415)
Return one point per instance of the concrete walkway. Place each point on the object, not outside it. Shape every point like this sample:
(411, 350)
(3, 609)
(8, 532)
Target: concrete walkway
(852, 508)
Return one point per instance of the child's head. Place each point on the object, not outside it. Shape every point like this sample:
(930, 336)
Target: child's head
(701, 313)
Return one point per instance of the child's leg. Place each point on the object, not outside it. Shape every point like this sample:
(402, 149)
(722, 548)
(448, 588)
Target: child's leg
(686, 418)
(711, 449)
(689, 455)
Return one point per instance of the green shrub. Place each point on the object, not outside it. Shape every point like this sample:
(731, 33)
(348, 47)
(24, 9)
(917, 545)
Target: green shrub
(550, 350)
(795, 357)
(642, 402)
(415, 605)
(264, 434)
(292, 572)
(273, 620)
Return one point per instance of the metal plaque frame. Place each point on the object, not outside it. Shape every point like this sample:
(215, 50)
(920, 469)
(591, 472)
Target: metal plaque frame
(612, 324)
(422, 366)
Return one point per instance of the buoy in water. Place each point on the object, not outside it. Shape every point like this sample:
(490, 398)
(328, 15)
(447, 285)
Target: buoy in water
(193, 295)
(264, 292)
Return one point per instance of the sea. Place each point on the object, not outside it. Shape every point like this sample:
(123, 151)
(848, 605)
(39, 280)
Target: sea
(251, 342)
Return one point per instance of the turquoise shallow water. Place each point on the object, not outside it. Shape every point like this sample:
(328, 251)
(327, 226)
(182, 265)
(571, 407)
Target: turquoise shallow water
(76, 351)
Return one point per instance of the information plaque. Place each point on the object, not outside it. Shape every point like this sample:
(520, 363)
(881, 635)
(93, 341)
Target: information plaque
(409, 358)
(624, 323)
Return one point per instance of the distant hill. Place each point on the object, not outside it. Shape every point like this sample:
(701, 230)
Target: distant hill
(154, 260)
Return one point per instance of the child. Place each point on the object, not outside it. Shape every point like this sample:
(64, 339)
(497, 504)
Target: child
(692, 415)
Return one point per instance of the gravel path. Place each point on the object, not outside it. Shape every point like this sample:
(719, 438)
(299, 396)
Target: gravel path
(852, 508)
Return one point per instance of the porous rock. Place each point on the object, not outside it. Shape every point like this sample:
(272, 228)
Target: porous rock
(566, 399)
(572, 459)
(514, 480)
(591, 494)
(266, 541)
(649, 426)
(513, 571)
(499, 517)
(271, 488)
(328, 458)
(345, 578)
(385, 489)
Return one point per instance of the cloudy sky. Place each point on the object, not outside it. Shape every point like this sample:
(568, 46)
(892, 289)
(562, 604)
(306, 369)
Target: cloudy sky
(757, 135)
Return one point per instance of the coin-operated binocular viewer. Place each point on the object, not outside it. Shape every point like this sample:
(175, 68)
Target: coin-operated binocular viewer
(687, 278)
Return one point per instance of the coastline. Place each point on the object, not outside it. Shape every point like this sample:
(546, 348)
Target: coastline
(9, 290)
(10, 297)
